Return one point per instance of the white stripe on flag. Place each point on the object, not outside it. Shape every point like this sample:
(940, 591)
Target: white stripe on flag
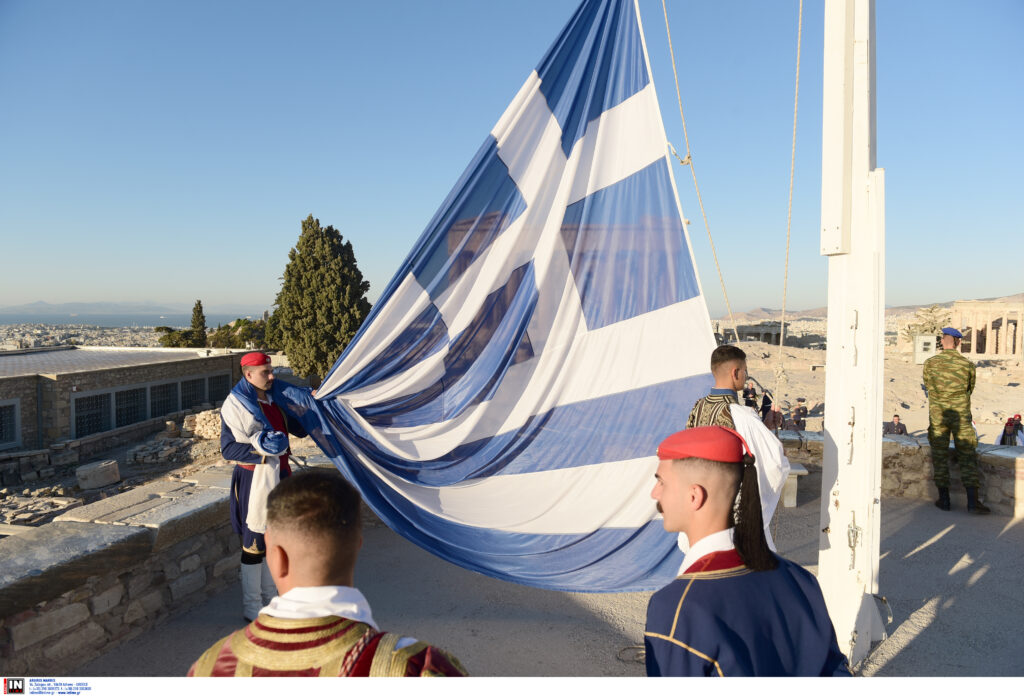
(646, 350)
(620, 142)
(577, 500)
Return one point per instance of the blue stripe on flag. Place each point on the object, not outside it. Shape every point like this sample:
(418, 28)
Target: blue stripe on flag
(476, 361)
(424, 336)
(606, 560)
(595, 63)
(627, 250)
(617, 427)
(482, 205)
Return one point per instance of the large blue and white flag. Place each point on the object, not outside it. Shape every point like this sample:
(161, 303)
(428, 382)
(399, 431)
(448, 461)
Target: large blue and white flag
(502, 403)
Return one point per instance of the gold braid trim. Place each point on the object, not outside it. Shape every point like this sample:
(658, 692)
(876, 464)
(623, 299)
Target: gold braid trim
(715, 574)
(206, 661)
(385, 659)
(306, 658)
(681, 644)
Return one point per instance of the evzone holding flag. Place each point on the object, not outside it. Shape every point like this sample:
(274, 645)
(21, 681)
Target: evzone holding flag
(737, 609)
(254, 435)
(721, 407)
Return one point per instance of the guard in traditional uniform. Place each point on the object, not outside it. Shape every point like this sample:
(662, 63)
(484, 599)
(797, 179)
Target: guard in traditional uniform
(949, 379)
(254, 435)
(737, 609)
(721, 407)
(320, 625)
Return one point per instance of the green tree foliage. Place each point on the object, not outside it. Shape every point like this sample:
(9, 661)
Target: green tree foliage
(194, 337)
(198, 325)
(241, 333)
(930, 321)
(322, 301)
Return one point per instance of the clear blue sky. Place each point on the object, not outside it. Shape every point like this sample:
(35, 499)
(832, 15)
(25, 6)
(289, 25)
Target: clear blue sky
(168, 150)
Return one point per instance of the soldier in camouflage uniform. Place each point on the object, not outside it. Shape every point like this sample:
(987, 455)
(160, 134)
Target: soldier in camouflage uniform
(949, 380)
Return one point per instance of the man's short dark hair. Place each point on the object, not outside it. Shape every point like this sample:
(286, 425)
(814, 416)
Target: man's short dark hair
(320, 502)
(725, 354)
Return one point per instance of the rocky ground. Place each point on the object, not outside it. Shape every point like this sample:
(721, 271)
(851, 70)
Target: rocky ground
(179, 451)
(999, 393)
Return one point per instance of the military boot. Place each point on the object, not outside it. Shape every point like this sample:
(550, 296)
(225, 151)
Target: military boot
(974, 506)
(943, 502)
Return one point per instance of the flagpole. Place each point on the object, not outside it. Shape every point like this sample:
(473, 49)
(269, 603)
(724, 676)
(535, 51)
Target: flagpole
(853, 239)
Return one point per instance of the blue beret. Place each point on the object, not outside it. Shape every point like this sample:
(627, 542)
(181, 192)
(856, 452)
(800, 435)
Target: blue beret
(950, 331)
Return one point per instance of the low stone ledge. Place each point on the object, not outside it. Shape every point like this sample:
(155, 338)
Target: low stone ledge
(125, 505)
(907, 469)
(78, 587)
(47, 561)
(215, 477)
(183, 516)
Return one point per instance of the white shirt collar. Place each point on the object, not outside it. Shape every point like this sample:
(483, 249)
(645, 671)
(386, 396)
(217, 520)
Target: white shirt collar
(316, 602)
(719, 541)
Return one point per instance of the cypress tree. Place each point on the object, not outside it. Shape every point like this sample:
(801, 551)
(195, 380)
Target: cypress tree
(322, 301)
(197, 334)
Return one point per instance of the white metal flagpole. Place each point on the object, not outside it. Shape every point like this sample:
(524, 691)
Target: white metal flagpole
(853, 237)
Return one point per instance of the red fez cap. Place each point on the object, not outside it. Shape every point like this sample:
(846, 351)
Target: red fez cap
(713, 442)
(255, 359)
(1016, 416)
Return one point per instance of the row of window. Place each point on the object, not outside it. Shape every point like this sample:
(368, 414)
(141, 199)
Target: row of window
(98, 412)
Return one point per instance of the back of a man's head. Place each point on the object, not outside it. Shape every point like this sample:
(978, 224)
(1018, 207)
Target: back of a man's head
(317, 513)
(723, 355)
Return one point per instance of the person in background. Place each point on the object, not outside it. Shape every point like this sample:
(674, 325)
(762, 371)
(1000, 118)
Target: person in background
(1010, 435)
(799, 414)
(750, 396)
(720, 407)
(894, 427)
(254, 436)
(949, 380)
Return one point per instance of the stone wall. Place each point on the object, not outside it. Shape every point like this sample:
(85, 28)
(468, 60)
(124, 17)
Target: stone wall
(907, 470)
(102, 574)
(61, 458)
(23, 389)
(58, 390)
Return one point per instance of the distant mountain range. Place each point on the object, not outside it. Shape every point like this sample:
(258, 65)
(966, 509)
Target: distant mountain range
(121, 308)
(760, 314)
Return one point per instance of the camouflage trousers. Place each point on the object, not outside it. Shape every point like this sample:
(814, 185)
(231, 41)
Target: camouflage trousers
(942, 423)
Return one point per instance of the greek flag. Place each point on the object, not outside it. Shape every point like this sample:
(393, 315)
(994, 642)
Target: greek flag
(502, 403)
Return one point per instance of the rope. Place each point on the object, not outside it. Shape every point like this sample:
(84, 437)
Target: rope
(780, 371)
(688, 162)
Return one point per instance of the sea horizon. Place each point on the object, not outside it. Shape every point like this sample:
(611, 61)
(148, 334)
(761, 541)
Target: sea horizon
(113, 321)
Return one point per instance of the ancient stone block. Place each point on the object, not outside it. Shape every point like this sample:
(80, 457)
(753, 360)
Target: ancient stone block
(134, 612)
(98, 474)
(229, 564)
(187, 584)
(187, 516)
(139, 582)
(76, 644)
(105, 601)
(64, 458)
(152, 601)
(48, 624)
(171, 571)
(190, 563)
